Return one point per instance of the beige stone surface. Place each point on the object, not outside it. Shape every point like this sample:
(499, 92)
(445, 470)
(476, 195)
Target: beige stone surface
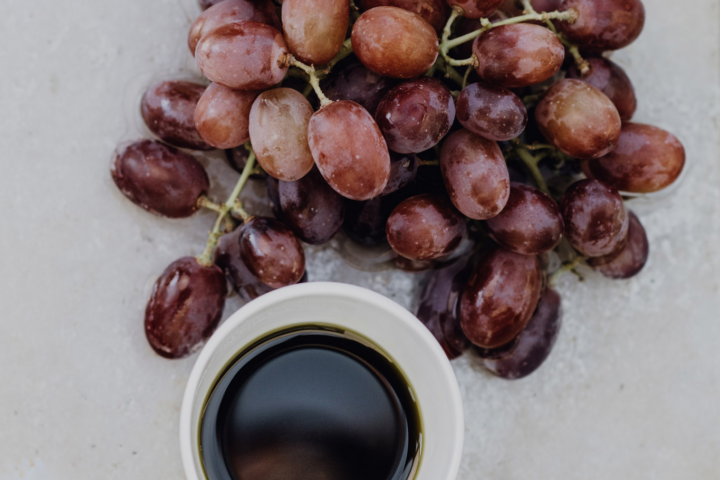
(631, 391)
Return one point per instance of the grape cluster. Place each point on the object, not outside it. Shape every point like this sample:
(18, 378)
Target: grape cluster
(485, 171)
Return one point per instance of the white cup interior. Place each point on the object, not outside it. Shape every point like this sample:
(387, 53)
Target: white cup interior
(392, 328)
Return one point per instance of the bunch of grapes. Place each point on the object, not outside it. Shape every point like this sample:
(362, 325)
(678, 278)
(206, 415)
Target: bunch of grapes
(497, 172)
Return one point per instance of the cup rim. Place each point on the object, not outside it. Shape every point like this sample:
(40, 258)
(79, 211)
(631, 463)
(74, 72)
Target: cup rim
(305, 290)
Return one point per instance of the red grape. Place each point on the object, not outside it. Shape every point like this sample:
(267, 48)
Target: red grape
(222, 116)
(491, 111)
(403, 170)
(604, 24)
(579, 119)
(476, 8)
(475, 174)
(466, 25)
(500, 297)
(628, 260)
(596, 222)
(365, 221)
(271, 252)
(186, 305)
(315, 29)
(612, 80)
(646, 159)
(498, 352)
(244, 55)
(357, 83)
(416, 115)
(394, 43)
(227, 257)
(159, 178)
(435, 12)
(168, 109)
(546, 5)
(518, 55)
(356, 165)
(530, 223)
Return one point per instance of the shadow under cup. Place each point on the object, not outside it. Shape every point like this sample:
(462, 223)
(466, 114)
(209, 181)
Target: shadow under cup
(390, 329)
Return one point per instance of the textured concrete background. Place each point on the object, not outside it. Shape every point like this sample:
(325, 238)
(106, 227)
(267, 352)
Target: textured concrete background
(630, 392)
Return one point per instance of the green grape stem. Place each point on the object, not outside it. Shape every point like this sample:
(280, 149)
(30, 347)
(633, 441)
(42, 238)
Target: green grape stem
(531, 162)
(566, 268)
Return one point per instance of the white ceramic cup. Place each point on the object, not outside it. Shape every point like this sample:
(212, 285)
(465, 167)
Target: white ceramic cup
(392, 328)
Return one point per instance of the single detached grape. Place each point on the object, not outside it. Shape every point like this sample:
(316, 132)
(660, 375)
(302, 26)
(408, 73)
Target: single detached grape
(476, 8)
(534, 343)
(186, 305)
(530, 223)
(311, 209)
(315, 29)
(491, 111)
(168, 109)
(243, 55)
(160, 179)
(604, 24)
(596, 222)
(231, 11)
(394, 42)
(349, 150)
(279, 121)
(646, 159)
(357, 83)
(222, 116)
(403, 170)
(579, 119)
(416, 115)
(227, 257)
(434, 12)
(475, 174)
(425, 227)
(612, 80)
(628, 260)
(500, 297)
(518, 55)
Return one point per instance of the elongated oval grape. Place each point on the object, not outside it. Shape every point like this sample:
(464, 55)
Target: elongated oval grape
(646, 159)
(227, 257)
(403, 170)
(315, 29)
(311, 208)
(434, 12)
(500, 297)
(160, 179)
(168, 109)
(243, 55)
(357, 164)
(491, 111)
(185, 307)
(222, 116)
(612, 80)
(416, 115)
(358, 83)
(579, 119)
(604, 24)
(271, 252)
(231, 11)
(518, 55)
(475, 174)
(534, 343)
(628, 260)
(530, 223)
(425, 227)
(279, 121)
(596, 222)
(394, 43)
(476, 8)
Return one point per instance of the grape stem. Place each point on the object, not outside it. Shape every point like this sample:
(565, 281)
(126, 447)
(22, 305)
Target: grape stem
(450, 72)
(565, 268)
(205, 259)
(314, 80)
(531, 162)
(238, 210)
(345, 51)
(465, 77)
(205, 202)
(582, 65)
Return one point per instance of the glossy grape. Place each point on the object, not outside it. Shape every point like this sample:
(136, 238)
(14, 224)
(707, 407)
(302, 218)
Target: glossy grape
(394, 42)
(476, 8)
(271, 252)
(534, 343)
(416, 115)
(222, 116)
(466, 25)
(646, 159)
(530, 223)
(497, 352)
(425, 227)
(518, 55)
(311, 209)
(475, 174)
(232, 11)
(357, 164)
(579, 119)
(596, 222)
(357, 83)
(365, 221)
(227, 257)
(185, 307)
(403, 170)
(315, 29)
(604, 24)
(546, 5)
(491, 111)
(168, 109)
(500, 297)
(244, 55)
(434, 12)
(160, 179)
(612, 80)
(279, 121)
(629, 260)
